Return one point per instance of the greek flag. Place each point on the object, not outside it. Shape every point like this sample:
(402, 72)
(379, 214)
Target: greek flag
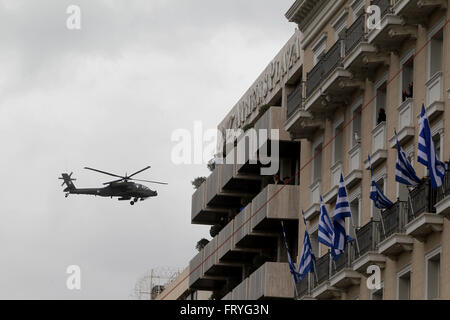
(404, 171)
(307, 257)
(341, 212)
(426, 154)
(326, 232)
(378, 197)
(292, 267)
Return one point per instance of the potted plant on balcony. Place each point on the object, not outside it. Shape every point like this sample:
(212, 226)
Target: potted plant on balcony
(197, 182)
(201, 244)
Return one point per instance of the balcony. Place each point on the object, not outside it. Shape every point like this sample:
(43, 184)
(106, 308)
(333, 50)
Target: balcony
(267, 133)
(303, 125)
(325, 85)
(275, 202)
(272, 280)
(443, 198)
(379, 152)
(405, 123)
(392, 30)
(241, 291)
(366, 247)
(360, 56)
(342, 273)
(355, 175)
(422, 219)
(435, 96)
(228, 251)
(201, 213)
(394, 241)
(197, 278)
(322, 288)
(416, 12)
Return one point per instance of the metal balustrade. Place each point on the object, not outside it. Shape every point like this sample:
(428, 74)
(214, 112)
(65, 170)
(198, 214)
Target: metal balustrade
(332, 59)
(314, 78)
(355, 34)
(367, 238)
(303, 286)
(423, 199)
(394, 219)
(345, 260)
(444, 191)
(322, 269)
(294, 100)
(385, 6)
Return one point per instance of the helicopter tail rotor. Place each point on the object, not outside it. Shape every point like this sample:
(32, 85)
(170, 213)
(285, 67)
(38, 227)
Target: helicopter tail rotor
(68, 181)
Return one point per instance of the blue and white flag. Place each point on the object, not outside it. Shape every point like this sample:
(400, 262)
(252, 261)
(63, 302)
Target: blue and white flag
(426, 153)
(326, 231)
(307, 257)
(341, 212)
(292, 267)
(404, 171)
(378, 197)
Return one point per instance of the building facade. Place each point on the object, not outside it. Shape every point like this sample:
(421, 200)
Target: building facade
(336, 92)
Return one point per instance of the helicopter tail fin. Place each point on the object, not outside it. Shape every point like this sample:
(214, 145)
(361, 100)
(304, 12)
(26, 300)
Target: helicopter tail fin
(68, 181)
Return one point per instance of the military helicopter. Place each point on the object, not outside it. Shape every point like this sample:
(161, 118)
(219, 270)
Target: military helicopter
(124, 188)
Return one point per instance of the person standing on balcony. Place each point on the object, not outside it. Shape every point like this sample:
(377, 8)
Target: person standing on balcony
(381, 116)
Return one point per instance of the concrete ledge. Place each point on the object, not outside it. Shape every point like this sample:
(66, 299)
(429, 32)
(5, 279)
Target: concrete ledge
(443, 207)
(312, 211)
(423, 225)
(345, 278)
(360, 265)
(377, 158)
(325, 291)
(395, 245)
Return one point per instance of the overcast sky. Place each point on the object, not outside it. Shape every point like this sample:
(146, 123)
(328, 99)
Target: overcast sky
(109, 96)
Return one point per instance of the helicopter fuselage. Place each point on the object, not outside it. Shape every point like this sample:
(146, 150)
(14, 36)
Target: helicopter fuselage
(123, 190)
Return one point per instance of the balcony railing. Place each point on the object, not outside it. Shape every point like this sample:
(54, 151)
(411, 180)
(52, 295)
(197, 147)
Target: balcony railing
(324, 67)
(444, 191)
(294, 100)
(423, 199)
(322, 269)
(345, 260)
(384, 6)
(355, 34)
(303, 286)
(379, 137)
(394, 219)
(332, 59)
(314, 78)
(367, 238)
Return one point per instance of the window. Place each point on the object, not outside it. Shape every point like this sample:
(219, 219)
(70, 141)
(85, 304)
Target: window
(437, 145)
(433, 275)
(356, 126)
(314, 236)
(435, 52)
(338, 143)
(319, 48)
(407, 77)
(317, 154)
(404, 285)
(354, 208)
(380, 103)
(340, 24)
(357, 8)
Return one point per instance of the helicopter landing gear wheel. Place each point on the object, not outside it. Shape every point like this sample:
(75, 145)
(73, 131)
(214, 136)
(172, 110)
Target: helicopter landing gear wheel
(132, 203)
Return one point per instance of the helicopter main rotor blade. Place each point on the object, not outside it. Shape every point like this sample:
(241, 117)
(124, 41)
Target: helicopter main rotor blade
(106, 183)
(149, 181)
(146, 168)
(104, 172)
